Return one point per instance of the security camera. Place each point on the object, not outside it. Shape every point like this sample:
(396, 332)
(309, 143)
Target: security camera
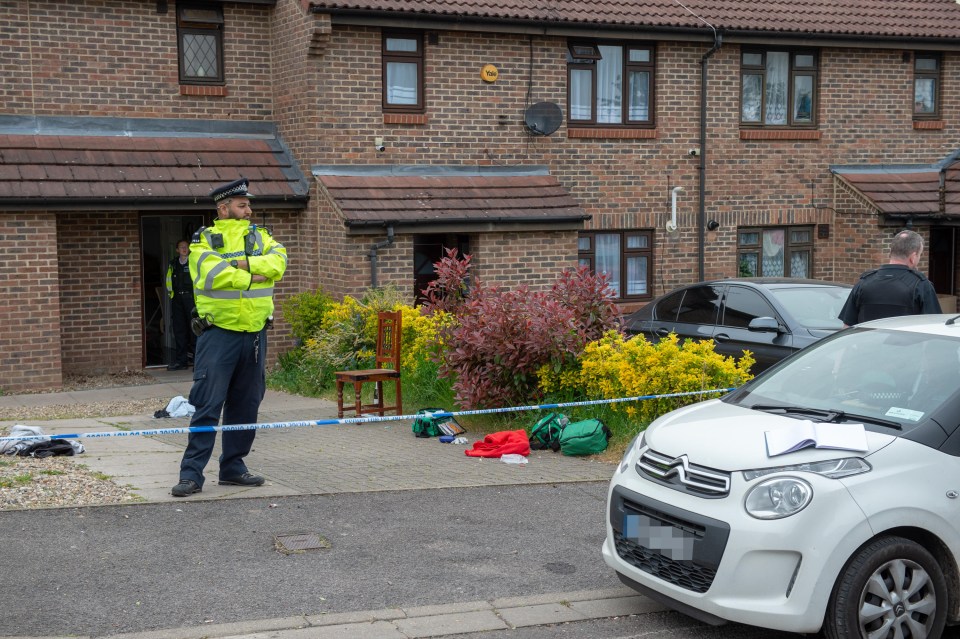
(695, 151)
(381, 148)
(378, 145)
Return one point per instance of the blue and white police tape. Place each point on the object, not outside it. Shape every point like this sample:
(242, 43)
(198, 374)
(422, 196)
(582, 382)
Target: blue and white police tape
(353, 420)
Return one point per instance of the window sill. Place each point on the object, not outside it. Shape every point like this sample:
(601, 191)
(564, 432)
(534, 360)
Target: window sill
(404, 118)
(779, 134)
(612, 134)
(203, 89)
(927, 125)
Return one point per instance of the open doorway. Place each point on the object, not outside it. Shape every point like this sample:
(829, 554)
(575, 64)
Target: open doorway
(159, 235)
(427, 251)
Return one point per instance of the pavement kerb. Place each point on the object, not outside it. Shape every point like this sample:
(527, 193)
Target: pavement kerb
(427, 621)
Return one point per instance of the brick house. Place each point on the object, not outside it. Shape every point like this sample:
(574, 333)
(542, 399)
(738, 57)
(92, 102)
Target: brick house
(794, 140)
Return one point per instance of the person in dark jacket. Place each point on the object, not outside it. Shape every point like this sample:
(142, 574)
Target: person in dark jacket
(180, 290)
(896, 288)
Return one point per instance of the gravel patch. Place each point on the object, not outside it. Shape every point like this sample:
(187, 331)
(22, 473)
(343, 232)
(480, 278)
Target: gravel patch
(63, 481)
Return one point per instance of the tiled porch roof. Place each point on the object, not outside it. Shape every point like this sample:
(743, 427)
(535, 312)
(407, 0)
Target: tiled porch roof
(921, 190)
(383, 195)
(857, 18)
(110, 163)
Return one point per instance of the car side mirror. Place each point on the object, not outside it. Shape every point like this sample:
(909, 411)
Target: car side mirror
(764, 324)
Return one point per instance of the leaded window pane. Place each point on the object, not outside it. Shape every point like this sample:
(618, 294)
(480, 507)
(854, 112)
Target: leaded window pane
(200, 55)
(800, 264)
(748, 265)
(772, 264)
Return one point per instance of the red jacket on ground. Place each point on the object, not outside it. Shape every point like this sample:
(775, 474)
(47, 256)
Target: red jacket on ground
(503, 443)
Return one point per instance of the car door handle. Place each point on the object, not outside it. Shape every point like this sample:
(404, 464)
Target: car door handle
(721, 337)
(662, 332)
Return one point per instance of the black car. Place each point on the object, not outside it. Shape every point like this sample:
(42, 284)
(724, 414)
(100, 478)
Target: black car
(771, 317)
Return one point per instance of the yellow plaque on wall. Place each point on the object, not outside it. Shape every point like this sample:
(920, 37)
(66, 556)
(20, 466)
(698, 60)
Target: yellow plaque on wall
(489, 73)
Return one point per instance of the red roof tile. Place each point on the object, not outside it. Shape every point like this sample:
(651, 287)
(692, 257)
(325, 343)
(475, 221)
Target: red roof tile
(868, 18)
(447, 197)
(908, 189)
(108, 162)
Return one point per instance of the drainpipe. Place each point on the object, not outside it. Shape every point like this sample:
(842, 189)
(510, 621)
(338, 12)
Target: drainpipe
(373, 255)
(701, 213)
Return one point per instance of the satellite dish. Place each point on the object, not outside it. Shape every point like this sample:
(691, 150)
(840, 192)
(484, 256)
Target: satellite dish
(543, 118)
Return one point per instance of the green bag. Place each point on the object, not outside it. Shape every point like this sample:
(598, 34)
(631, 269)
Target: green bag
(426, 425)
(546, 432)
(587, 437)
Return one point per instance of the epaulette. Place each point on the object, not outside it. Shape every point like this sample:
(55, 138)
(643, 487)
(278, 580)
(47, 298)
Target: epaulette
(196, 236)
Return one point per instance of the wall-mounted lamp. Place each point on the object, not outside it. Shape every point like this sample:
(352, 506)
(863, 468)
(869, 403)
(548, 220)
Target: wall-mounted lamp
(712, 225)
(672, 224)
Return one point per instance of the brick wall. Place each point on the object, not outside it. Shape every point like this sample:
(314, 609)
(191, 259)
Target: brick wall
(30, 314)
(119, 58)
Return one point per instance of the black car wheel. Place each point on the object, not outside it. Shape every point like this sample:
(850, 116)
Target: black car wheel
(891, 588)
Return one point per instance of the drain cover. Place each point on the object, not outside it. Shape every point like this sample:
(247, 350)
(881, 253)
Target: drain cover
(299, 543)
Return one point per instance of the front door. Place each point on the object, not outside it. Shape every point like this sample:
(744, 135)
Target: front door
(159, 235)
(943, 256)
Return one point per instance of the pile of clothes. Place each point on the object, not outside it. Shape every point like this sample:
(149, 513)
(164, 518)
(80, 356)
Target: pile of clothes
(30, 441)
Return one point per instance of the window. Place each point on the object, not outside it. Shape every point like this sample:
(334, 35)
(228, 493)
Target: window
(926, 86)
(778, 88)
(742, 306)
(403, 73)
(625, 256)
(200, 39)
(775, 252)
(610, 84)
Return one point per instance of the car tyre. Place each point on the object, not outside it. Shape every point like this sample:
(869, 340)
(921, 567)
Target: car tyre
(891, 584)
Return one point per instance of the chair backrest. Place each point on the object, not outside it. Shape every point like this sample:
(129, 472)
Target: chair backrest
(389, 333)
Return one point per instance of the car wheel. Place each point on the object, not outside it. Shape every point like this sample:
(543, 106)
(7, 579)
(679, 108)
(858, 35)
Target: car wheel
(892, 587)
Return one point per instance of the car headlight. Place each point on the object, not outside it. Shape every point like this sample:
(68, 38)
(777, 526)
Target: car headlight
(778, 497)
(832, 468)
(635, 444)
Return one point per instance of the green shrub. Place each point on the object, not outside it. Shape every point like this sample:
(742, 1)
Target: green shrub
(304, 312)
(616, 367)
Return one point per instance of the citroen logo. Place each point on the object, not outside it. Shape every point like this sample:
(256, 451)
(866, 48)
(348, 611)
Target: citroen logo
(680, 467)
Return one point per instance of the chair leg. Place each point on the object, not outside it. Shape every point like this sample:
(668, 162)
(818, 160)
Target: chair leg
(356, 395)
(379, 398)
(339, 399)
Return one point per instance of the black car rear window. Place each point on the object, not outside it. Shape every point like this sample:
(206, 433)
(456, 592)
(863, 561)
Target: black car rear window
(700, 305)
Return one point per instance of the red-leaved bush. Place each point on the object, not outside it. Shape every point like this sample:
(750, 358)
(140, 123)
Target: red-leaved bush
(501, 338)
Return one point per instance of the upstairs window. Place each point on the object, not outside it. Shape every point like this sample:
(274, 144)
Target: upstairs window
(610, 84)
(778, 88)
(926, 86)
(625, 256)
(402, 56)
(200, 40)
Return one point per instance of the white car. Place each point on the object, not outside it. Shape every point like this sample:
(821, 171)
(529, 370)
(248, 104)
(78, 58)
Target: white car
(859, 540)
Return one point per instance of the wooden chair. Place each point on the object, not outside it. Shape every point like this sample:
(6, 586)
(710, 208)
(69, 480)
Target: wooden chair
(387, 364)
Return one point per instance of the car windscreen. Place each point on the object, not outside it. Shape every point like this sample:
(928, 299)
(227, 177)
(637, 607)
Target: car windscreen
(815, 307)
(883, 375)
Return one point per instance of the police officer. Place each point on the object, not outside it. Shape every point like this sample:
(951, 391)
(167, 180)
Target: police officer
(180, 290)
(896, 288)
(234, 265)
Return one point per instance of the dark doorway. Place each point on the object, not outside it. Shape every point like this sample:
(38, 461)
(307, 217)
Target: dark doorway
(159, 235)
(943, 265)
(430, 249)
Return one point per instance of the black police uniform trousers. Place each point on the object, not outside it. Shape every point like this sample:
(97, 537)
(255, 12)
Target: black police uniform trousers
(182, 312)
(229, 373)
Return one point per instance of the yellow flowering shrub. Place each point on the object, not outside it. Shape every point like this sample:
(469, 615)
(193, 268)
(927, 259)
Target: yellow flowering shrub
(614, 367)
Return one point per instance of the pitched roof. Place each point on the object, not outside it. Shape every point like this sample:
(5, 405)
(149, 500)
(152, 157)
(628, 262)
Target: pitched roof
(921, 190)
(57, 163)
(379, 196)
(873, 18)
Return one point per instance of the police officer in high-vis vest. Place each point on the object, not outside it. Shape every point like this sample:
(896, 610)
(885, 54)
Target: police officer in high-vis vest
(896, 288)
(180, 290)
(234, 265)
